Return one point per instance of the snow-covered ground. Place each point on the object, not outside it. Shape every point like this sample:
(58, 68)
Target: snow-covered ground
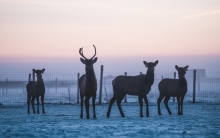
(199, 120)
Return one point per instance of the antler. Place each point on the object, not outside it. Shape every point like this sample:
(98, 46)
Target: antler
(81, 53)
(95, 52)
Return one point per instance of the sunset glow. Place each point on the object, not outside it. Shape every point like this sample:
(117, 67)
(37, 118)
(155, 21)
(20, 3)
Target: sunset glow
(57, 29)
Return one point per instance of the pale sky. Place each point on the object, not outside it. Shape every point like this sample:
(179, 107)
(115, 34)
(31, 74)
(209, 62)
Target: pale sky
(56, 29)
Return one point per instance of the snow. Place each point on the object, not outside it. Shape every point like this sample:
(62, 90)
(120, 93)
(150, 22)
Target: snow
(199, 120)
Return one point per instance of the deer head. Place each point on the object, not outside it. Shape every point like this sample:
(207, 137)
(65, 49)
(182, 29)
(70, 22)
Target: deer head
(150, 66)
(88, 62)
(39, 73)
(181, 70)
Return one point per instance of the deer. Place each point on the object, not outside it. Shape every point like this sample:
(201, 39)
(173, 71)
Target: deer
(87, 83)
(139, 85)
(173, 88)
(36, 89)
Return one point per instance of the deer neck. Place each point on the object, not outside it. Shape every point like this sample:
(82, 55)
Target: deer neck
(182, 81)
(90, 75)
(149, 77)
(40, 81)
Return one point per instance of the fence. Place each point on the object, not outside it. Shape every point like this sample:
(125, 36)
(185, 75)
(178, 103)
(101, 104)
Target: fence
(203, 86)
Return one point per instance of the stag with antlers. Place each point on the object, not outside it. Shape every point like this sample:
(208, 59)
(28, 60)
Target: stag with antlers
(88, 83)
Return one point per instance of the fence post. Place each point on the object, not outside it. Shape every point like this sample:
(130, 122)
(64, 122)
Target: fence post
(33, 75)
(29, 77)
(6, 85)
(77, 101)
(100, 88)
(174, 78)
(194, 86)
(125, 99)
(69, 94)
(56, 84)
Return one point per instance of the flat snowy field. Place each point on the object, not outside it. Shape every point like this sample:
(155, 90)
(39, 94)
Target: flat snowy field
(199, 120)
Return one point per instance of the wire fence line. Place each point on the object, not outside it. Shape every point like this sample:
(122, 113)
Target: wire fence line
(63, 88)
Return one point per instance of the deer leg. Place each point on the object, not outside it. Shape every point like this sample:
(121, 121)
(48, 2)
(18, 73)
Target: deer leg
(81, 114)
(178, 101)
(166, 104)
(141, 104)
(32, 103)
(110, 105)
(37, 104)
(87, 106)
(147, 110)
(28, 102)
(93, 105)
(158, 103)
(42, 102)
(119, 105)
(181, 111)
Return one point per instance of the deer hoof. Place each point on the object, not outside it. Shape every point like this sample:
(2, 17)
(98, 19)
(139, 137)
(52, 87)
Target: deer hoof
(108, 114)
(81, 116)
(88, 117)
(141, 115)
(94, 117)
(123, 116)
(180, 113)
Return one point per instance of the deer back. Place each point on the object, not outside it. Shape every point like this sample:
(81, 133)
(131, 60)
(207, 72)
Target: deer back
(172, 87)
(132, 85)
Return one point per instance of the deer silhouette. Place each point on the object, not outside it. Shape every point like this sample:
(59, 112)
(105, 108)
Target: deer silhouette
(36, 89)
(173, 88)
(133, 85)
(87, 83)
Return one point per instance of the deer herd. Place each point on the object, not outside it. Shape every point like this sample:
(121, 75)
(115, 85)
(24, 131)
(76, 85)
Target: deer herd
(139, 85)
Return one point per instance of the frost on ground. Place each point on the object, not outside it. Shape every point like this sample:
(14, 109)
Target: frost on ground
(199, 120)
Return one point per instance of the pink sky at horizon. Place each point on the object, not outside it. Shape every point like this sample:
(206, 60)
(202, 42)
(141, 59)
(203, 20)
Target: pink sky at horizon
(56, 29)
(48, 34)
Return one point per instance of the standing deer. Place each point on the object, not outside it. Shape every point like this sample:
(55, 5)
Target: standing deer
(133, 85)
(36, 90)
(88, 84)
(173, 88)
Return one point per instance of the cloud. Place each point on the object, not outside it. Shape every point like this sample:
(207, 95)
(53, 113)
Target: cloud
(201, 14)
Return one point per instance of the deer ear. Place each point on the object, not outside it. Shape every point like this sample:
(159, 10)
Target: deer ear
(186, 67)
(145, 63)
(42, 71)
(82, 60)
(176, 67)
(94, 60)
(155, 63)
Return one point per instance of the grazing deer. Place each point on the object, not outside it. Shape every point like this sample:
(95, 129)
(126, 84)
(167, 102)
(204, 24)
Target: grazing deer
(173, 88)
(133, 85)
(36, 90)
(88, 84)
